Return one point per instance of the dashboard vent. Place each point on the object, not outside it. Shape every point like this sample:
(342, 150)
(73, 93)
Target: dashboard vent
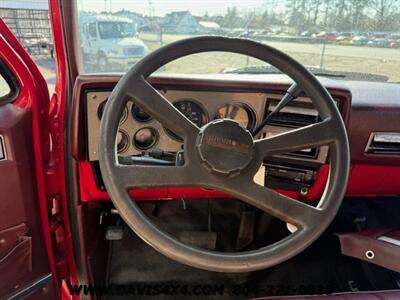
(296, 114)
(384, 143)
(293, 119)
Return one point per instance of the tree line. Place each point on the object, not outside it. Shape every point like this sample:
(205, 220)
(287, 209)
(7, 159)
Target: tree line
(315, 15)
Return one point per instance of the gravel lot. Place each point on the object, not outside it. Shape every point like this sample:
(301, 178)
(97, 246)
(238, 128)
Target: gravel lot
(381, 61)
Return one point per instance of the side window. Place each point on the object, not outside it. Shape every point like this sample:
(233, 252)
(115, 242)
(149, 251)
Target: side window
(4, 87)
(8, 85)
(92, 30)
(30, 23)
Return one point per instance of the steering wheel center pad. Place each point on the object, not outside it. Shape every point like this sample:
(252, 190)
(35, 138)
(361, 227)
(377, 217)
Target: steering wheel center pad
(225, 147)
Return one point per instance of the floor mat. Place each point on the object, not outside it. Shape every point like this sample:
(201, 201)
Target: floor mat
(317, 270)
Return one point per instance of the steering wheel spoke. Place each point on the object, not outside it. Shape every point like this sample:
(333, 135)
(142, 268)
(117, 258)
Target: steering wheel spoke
(147, 97)
(280, 206)
(147, 176)
(317, 134)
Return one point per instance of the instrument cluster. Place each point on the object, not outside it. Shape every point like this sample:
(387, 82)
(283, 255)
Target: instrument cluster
(138, 131)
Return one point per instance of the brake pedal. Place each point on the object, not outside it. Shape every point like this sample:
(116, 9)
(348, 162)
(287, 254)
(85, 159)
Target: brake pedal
(114, 233)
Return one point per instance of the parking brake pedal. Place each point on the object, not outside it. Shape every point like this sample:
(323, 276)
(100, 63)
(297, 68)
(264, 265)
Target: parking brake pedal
(202, 239)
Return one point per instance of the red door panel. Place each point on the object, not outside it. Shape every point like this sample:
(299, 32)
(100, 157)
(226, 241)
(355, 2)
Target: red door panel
(27, 266)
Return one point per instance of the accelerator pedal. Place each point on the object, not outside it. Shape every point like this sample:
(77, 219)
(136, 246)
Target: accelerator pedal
(246, 230)
(201, 239)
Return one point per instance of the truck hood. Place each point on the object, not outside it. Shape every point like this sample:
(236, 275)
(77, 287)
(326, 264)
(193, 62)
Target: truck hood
(127, 41)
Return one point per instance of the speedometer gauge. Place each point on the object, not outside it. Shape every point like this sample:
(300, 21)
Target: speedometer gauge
(193, 111)
(239, 112)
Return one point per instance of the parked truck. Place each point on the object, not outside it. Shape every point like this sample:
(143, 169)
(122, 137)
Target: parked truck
(110, 43)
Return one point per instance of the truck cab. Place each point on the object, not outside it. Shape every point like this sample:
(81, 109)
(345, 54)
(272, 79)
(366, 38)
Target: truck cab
(109, 41)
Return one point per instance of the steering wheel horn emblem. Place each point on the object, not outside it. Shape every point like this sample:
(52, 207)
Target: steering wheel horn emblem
(225, 147)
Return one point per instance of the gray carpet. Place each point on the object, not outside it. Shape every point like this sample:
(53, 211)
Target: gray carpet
(133, 261)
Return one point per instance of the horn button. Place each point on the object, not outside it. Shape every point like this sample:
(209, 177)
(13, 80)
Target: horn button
(225, 147)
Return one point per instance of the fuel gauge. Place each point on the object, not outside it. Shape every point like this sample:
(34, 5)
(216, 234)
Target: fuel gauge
(239, 112)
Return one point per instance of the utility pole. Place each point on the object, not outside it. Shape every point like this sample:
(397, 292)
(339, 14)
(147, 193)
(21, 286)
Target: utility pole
(246, 27)
(107, 9)
(150, 18)
(321, 64)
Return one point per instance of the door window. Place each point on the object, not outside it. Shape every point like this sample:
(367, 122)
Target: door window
(4, 87)
(30, 23)
(92, 30)
(8, 85)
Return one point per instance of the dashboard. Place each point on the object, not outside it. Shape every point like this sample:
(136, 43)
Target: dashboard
(374, 145)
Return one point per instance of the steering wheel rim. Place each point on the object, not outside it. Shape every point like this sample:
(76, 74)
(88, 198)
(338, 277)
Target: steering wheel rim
(119, 178)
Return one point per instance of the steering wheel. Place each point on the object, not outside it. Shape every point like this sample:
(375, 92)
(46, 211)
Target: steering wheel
(223, 155)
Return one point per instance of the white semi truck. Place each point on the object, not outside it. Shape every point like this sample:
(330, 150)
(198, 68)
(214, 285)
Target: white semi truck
(110, 43)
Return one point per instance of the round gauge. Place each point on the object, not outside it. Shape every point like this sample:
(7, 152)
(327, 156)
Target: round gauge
(139, 114)
(100, 110)
(145, 138)
(122, 141)
(238, 112)
(193, 111)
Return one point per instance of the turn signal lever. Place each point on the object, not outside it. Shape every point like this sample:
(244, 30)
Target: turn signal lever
(293, 91)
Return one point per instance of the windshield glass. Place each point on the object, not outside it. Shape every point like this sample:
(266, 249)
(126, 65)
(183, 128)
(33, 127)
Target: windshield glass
(343, 39)
(113, 30)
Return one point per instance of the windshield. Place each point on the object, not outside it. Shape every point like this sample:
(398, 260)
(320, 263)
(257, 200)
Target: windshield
(113, 30)
(344, 39)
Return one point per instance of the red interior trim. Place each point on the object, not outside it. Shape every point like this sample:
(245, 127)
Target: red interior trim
(364, 181)
(369, 180)
(90, 191)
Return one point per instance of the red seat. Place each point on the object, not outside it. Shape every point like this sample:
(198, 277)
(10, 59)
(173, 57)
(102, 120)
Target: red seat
(378, 295)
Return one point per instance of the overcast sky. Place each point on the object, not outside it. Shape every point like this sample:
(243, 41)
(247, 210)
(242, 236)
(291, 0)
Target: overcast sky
(161, 7)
